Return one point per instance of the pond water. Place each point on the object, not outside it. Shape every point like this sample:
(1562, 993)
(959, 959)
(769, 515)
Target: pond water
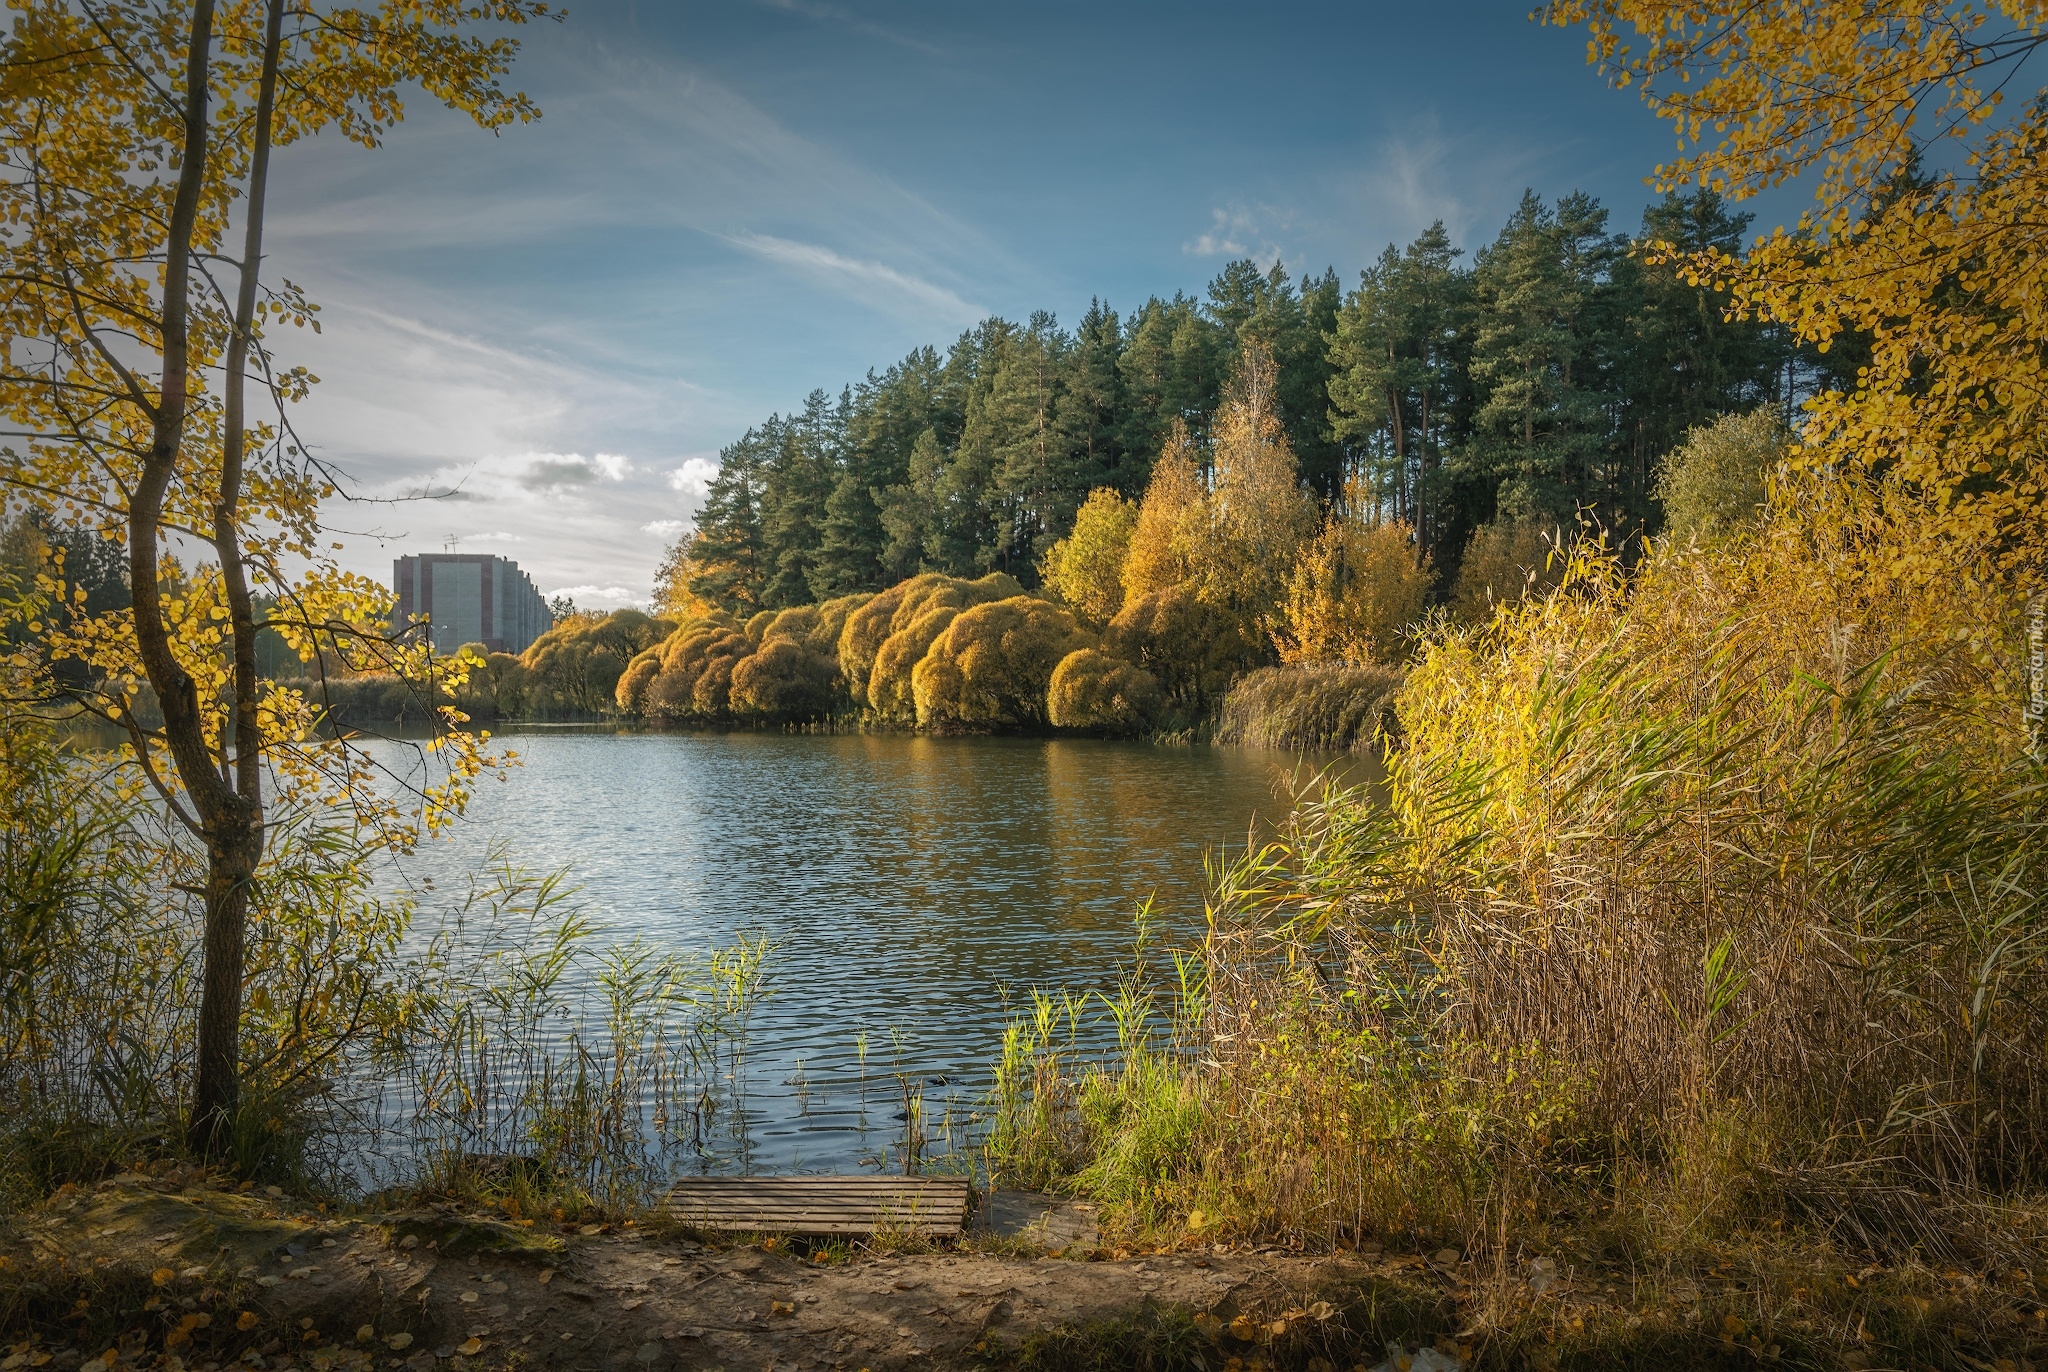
(916, 889)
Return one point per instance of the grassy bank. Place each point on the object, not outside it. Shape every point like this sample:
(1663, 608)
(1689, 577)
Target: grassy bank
(1696, 950)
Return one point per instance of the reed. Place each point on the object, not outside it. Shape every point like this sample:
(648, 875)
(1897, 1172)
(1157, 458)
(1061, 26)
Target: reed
(1324, 707)
(516, 1057)
(1704, 895)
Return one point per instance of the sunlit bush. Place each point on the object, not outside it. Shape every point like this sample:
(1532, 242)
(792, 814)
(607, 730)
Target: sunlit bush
(899, 608)
(890, 691)
(1506, 562)
(696, 673)
(1094, 691)
(574, 668)
(1714, 481)
(831, 622)
(1353, 595)
(1086, 568)
(992, 666)
(1194, 650)
(782, 681)
(794, 624)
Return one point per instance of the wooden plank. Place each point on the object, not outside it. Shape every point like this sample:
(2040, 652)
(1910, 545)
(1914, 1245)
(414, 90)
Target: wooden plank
(931, 1206)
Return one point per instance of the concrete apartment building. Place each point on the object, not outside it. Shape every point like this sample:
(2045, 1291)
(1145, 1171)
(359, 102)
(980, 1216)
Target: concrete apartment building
(469, 598)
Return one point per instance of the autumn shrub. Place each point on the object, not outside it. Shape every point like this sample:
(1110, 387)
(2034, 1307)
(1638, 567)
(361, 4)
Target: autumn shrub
(1086, 568)
(1506, 562)
(1338, 707)
(1193, 649)
(1094, 691)
(696, 673)
(861, 638)
(1354, 594)
(992, 666)
(831, 623)
(575, 667)
(890, 693)
(631, 692)
(795, 623)
(1714, 482)
(783, 681)
(757, 624)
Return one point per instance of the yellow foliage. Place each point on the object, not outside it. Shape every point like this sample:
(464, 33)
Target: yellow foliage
(1352, 595)
(1939, 270)
(1505, 562)
(1169, 517)
(1092, 690)
(1191, 648)
(992, 666)
(870, 626)
(890, 692)
(1086, 568)
(1257, 516)
(831, 622)
(783, 680)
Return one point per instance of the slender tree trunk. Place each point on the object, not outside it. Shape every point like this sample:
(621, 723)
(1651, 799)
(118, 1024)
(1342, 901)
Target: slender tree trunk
(221, 813)
(236, 831)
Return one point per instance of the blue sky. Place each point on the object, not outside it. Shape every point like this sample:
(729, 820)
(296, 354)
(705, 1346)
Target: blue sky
(729, 204)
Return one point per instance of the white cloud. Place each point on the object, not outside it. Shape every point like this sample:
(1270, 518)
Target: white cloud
(1241, 231)
(612, 595)
(665, 528)
(695, 475)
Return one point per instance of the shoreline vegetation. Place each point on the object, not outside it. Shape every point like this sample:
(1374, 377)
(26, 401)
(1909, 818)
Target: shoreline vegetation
(1676, 998)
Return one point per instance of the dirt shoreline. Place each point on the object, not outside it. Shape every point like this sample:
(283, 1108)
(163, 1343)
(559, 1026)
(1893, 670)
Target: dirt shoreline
(169, 1270)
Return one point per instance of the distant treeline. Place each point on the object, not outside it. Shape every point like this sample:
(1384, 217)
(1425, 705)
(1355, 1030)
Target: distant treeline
(1545, 377)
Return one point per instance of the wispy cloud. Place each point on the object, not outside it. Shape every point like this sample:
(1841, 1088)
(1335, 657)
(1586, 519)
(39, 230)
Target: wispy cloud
(1241, 231)
(665, 528)
(1420, 173)
(835, 14)
(875, 280)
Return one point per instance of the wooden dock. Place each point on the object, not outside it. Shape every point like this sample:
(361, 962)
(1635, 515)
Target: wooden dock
(934, 1207)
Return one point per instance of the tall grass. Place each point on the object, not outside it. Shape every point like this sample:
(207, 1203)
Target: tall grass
(1708, 892)
(516, 1054)
(533, 1060)
(1318, 706)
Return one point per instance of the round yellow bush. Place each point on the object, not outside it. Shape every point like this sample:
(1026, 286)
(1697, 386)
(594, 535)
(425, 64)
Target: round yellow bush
(992, 666)
(1092, 690)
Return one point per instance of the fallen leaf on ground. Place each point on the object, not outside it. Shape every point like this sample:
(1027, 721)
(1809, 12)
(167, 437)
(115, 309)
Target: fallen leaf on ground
(246, 1320)
(547, 1274)
(398, 1341)
(162, 1276)
(469, 1348)
(781, 1308)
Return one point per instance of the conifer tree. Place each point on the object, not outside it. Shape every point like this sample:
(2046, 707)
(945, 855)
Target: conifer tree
(727, 557)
